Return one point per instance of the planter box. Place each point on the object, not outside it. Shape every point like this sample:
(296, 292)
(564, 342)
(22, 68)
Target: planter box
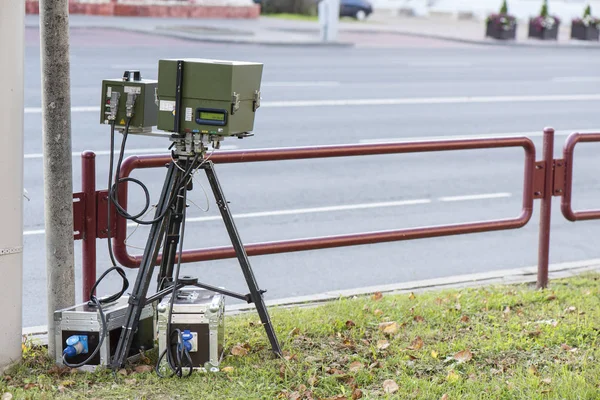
(582, 32)
(495, 31)
(543, 33)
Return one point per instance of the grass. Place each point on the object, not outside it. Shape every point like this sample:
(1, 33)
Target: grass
(484, 343)
(293, 17)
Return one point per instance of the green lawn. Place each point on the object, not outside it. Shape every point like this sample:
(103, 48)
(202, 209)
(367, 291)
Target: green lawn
(510, 342)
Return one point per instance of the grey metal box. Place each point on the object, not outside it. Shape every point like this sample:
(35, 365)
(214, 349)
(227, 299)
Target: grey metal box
(201, 312)
(85, 320)
(145, 108)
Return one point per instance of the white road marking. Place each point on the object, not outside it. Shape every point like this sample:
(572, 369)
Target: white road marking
(347, 207)
(301, 84)
(574, 79)
(475, 197)
(36, 232)
(475, 136)
(390, 102)
(437, 64)
(431, 100)
(158, 150)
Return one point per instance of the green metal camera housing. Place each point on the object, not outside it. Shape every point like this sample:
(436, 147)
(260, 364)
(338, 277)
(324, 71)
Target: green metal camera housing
(218, 98)
(145, 112)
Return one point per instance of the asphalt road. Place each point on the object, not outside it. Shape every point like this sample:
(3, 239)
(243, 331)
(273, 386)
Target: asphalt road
(296, 199)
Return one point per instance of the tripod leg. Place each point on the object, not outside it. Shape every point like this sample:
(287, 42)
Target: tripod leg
(256, 293)
(137, 300)
(171, 241)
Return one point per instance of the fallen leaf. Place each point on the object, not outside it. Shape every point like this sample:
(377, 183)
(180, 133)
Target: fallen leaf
(547, 380)
(412, 357)
(67, 383)
(389, 386)
(294, 396)
(338, 397)
(350, 324)
(356, 394)
(551, 297)
(458, 306)
(535, 333)
(570, 309)
(123, 372)
(355, 366)
(302, 388)
(389, 327)
(506, 310)
(382, 344)
(227, 369)
(418, 318)
(463, 356)
(532, 370)
(452, 376)
(411, 296)
(464, 318)
(434, 354)
(294, 332)
(29, 386)
(438, 301)
(335, 371)
(376, 364)
(238, 350)
(130, 381)
(377, 296)
(312, 381)
(445, 397)
(378, 312)
(282, 371)
(472, 377)
(290, 357)
(60, 388)
(141, 369)
(416, 344)
(545, 391)
(565, 347)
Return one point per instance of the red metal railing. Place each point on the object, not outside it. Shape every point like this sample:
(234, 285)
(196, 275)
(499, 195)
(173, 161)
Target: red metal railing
(150, 161)
(568, 156)
(542, 180)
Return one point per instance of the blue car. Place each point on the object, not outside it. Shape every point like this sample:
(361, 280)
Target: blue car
(357, 9)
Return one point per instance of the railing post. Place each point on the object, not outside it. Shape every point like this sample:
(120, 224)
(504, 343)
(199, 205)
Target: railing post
(88, 248)
(546, 209)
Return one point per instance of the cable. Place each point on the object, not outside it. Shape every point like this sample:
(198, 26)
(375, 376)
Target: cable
(111, 159)
(114, 189)
(95, 302)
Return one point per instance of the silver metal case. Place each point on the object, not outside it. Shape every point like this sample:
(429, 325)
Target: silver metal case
(85, 320)
(201, 312)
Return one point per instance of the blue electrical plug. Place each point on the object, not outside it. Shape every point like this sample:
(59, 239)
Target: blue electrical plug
(187, 336)
(76, 344)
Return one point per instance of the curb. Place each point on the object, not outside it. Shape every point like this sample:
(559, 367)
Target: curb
(498, 277)
(485, 42)
(524, 275)
(196, 38)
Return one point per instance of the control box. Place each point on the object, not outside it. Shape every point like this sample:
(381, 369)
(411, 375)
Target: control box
(218, 98)
(199, 315)
(130, 95)
(78, 329)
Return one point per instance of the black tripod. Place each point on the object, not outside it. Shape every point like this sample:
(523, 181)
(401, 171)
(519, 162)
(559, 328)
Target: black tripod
(167, 228)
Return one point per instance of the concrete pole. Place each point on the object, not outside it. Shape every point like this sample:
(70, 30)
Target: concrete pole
(12, 36)
(58, 181)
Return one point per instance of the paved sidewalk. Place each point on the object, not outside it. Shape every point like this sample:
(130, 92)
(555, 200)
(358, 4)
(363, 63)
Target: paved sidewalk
(276, 31)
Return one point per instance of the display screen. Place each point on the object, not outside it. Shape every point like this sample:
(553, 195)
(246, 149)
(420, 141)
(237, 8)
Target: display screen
(211, 116)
